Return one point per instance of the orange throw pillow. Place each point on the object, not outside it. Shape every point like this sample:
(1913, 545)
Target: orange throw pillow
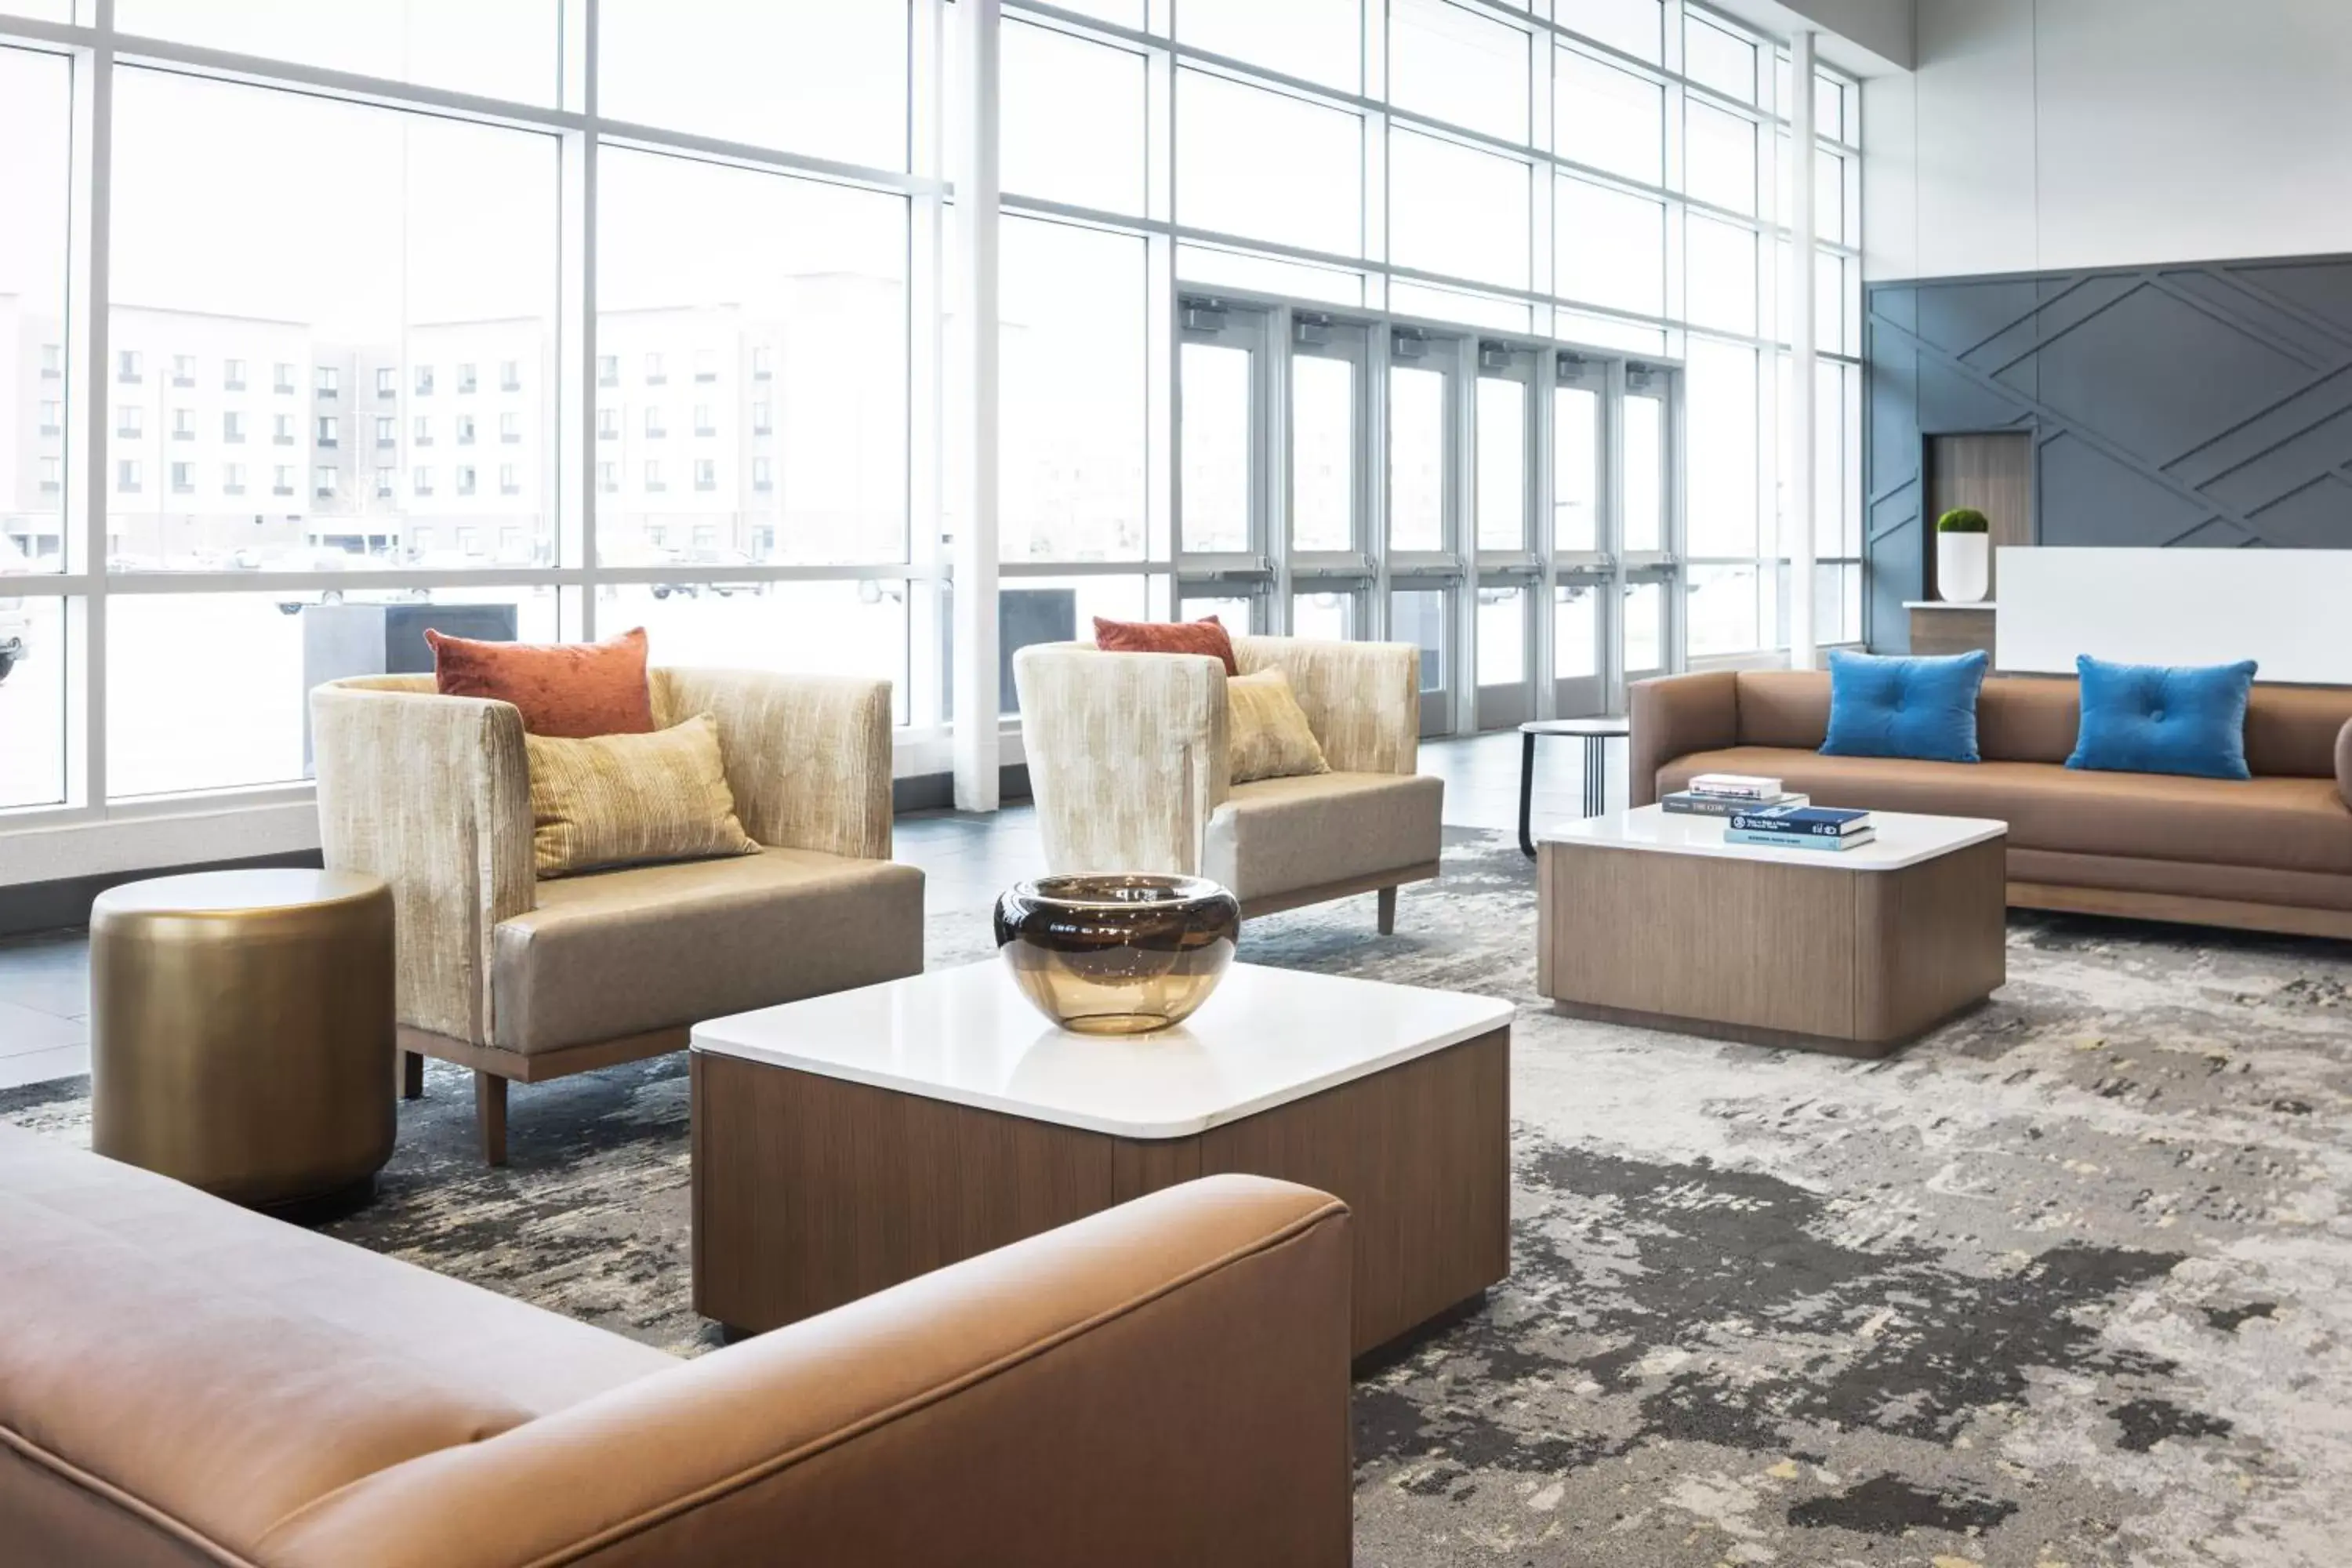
(1204, 635)
(574, 690)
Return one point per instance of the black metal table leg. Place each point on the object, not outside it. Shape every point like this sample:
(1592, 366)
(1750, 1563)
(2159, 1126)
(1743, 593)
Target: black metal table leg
(1527, 790)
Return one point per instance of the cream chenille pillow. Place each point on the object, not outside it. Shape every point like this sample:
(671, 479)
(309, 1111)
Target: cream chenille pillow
(620, 800)
(1267, 735)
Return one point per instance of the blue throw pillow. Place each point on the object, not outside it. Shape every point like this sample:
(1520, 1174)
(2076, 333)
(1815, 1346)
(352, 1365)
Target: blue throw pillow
(1920, 708)
(2155, 718)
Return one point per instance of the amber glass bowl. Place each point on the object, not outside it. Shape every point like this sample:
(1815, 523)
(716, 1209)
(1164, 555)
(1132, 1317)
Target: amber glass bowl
(1117, 954)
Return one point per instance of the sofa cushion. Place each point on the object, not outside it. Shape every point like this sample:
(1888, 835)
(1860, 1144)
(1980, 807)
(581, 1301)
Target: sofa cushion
(561, 688)
(225, 1368)
(1282, 836)
(2286, 824)
(620, 800)
(2159, 718)
(1924, 708)
(1206, 635)
(1267, 733)
(658, 947)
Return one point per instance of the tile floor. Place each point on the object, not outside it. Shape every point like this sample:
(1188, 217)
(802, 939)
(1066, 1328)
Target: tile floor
(45, 979)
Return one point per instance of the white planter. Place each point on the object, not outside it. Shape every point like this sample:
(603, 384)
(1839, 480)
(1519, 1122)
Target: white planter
(1963, 566)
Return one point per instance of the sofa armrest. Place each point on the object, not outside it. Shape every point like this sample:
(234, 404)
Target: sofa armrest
(1126, 755)
(433, 794)
(1673, 716)
(807, 756)
(1361, 699)
(2344, 764)
(1162, 1383)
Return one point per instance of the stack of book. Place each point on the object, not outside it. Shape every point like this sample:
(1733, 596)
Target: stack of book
(1728, 795)
(1802, 827)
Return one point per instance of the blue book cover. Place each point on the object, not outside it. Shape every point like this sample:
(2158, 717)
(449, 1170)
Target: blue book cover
(1828, 822)
(1822, 841)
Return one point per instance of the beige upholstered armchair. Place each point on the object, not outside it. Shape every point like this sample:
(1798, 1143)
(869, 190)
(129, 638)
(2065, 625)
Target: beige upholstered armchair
(525, 980)
(1128, 762)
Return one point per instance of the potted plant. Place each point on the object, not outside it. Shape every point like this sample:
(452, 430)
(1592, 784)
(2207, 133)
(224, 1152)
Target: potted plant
(1963, 555)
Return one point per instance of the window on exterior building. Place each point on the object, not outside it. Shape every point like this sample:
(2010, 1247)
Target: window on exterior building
(126, 475)
(656, 422)
(424, 381)
(233, 375)
(761, 475)
(281, 377)
(654, 475)
(329, 380)
(329, 431)
(282, 429)
(705, 474)
(510, 375)
(232, 426)
(509, 427)
(130, 419)
(763, 362)
(763, 419)
(421, 481)
(703, 424)
(52, 416)
(608, 370)
(386, 435)
(464, 429)
(384, 484)
(53, 362)
(608, 477)
(465, 376)
(509, 482)
(322, 482)
(184, 370)
(465, 479)
(129, 365)
(183, 478)
(422, 435)
(282, 483)
(184, 424)
(655, 375)
(608, 424)
(232, 478)
(387, 381)
(53, 471)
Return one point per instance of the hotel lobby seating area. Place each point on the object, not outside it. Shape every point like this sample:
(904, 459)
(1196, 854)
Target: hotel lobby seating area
(1273, 784)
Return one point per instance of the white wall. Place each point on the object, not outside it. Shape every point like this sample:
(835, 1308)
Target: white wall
(2042, 134)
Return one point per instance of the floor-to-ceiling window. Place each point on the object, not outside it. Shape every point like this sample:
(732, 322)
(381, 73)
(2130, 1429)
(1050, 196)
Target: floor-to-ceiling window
(1445, 321)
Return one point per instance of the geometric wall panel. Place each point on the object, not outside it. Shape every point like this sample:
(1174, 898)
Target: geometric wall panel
(2205, 404)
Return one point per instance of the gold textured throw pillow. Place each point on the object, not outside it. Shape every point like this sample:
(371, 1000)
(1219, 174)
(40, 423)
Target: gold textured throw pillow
(622, 800)
(1267, 735)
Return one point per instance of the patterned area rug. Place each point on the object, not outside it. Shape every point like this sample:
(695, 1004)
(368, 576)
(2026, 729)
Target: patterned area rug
(2069, 1282)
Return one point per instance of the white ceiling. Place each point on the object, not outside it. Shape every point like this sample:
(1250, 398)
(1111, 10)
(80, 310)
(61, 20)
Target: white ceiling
(1867, 37)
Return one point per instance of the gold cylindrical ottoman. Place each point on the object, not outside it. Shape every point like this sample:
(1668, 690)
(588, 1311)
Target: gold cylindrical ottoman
(241, 1032)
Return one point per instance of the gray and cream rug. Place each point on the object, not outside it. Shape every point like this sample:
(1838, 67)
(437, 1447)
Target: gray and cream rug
(2069, 1282)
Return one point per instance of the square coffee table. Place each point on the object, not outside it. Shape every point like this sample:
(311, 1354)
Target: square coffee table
(847, 1143)
(1649, 917)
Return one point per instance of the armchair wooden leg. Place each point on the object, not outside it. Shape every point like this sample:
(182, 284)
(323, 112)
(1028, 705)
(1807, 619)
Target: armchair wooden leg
(491, 1116)
(412, 1074)
(1388, 911)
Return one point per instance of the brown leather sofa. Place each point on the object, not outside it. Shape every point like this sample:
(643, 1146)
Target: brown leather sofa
(2271, 853)
(182, 1382)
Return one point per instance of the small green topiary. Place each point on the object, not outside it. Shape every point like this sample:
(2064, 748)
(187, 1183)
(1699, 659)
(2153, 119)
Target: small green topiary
(1963, 519)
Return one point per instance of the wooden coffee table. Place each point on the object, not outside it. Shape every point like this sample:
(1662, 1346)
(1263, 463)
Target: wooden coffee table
(847, 1143)
(1649, 917)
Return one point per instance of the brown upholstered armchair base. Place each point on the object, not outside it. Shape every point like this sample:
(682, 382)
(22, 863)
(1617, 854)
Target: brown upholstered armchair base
(1384, 883)
(494, 1069)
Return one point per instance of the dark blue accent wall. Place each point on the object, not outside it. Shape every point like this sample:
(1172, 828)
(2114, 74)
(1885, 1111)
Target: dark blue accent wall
(2205, 404)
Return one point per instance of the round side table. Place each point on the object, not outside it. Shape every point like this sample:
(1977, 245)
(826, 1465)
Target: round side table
(242, 1032)
(1596, 735)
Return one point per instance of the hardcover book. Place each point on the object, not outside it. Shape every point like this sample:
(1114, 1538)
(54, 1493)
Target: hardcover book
(1824, 821)
(1692, 803)
(1820, 841)
(1749, 786)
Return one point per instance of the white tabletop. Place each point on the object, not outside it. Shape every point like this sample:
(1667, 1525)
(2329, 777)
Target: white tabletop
(966, 1035)
(1902, 838)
